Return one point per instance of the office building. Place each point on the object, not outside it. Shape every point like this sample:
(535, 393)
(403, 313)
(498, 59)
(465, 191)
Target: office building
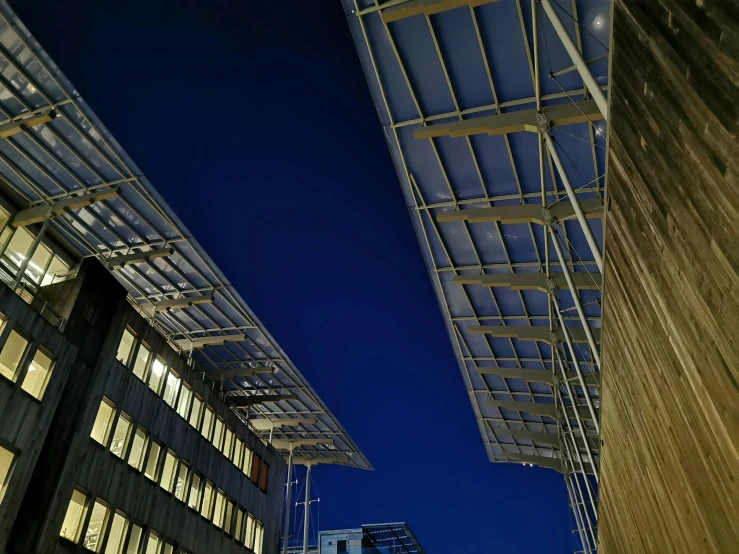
(144, 409)
(383, 538)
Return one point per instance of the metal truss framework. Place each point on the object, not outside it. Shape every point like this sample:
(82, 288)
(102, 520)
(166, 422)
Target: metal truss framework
(516, 270)
(73, 176)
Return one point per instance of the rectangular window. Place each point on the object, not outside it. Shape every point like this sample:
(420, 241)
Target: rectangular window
(141, 364)
(117, 534)
(239, 524)
(207, 422)
(103, 422)
(207, 500)
(183, 406)
(121, 434)
(74, 517)
(168, 549)
(134, 540)
(37, 264)
(55, 272)
(258, 538)
(218, 433)
(180, 486)
(6, 466)
(227, 521)
(153, 543)
(246, 464)
(263, 477)
(38, 374)
(125, 347)
(228, 443)
(170, 462)
(340, 546)
(238, 449)
(255, 461)
(152, 462)
(249, 537)
(138, 448)
(11, 355)
(220, 504)
(96, 528)
(197, 405)
(19, 246)
(172, 388)
(156, 378)
(193, 499)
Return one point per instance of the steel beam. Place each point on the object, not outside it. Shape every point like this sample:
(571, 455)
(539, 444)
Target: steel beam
(10, 128)
(529, 333)
(541, 461)
(534, 375)
(533, 408)
(40, 213)
(291, 444)
(535, 436)
(264, 424)
(200, 342)
(532, 281)
(522, 213)
(427, 7)
(179, 303)
(514, 122)
(245, 371)
(246, 401)
(139, 257)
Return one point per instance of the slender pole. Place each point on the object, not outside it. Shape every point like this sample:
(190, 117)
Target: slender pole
(580, 375)
(288, 497)
(576, 298)
(29, 254)
(577, 59)
(578, 516)
(574, 201)
(306, 521)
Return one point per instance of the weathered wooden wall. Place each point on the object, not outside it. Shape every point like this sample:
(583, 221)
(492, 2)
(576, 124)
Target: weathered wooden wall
(670, 407)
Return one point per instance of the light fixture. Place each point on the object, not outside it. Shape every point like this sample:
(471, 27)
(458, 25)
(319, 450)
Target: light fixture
(598, 21)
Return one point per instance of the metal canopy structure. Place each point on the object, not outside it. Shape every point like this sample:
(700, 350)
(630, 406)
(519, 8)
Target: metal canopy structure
(73, 176)
(495, 116)
(392, 538)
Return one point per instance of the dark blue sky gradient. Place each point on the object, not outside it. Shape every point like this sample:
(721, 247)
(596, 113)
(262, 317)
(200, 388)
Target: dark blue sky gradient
(254, 121)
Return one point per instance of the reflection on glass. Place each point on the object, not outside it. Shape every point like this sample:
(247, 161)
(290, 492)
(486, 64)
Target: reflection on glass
(181, 481)
(120, 435)
(134, 540)
(207, 500)
(152, 545)
(183, 405)
(194, 496)
(197, 405)
(93, 535)
(171, 388)
(218, 512)
(157, 375)
(170, 461)
(142, 361)
(138, 448)
(125, 346)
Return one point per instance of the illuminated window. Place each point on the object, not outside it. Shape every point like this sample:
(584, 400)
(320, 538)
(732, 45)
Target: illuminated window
(103, 422)
(38, 374)
(138, 448)
(197, 406)
(220, 504)
(153, 543)
(183, 405)
(37, 264)
(229, 516)
(141, 364)
(249, 536)
(6, 465)
(98, 520)
(74, 517)
(218, 434)
(152, 461)
(263, 477)
(156, 378)
(170, 462)
(134, 540)
(228, 443)
(121, 434)
(205, 509)
(207, 422)
(256, 460)
(193, 499)
(246, 463)
(168, 549)
(238, 449)
(18, 247)
(181, 481)
(55, 272)
(171, 388)
(125, 347)
(258, 538)
(11, 355)
(117, 534)
(239, 525)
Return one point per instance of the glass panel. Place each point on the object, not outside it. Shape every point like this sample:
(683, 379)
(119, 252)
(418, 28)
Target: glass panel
(142, 361)
(121, 434)
(170, 462)
(19, 246)
(152, 545)
(103, 421)
(238, 447)
(181, 482)
(158, 369)
(218, 513)
(37, 265)
(38, 374)
(56, 267)
(125, 347)
(258, 538)
(239, 524)
(255, 461)
(75, 514)
(117, 534)
(168, 549)
(138, 448)
(194, 498)
(229, 517)
(6, 462)
(207, 500)
(152, 461)
(263, 477)
(171, 388)
(98, 519)
(246, 467)
(183, 405)
(250, 525)
(207, 422)
(11, 355)
(197, 405)
(227, 443)
(218, 434)
(134, 539)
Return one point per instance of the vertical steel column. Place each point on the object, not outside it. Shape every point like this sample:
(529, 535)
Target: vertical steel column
(578, 516)
(575, 361)
(288, 497)
(574, 201)
(577, 488)
(306, 519)
(576, 298)
(30, 253)
(577, 59)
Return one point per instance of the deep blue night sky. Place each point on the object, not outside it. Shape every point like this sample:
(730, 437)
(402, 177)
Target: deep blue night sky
(254, 121)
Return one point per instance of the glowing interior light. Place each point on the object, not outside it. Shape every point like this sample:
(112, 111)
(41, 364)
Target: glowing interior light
(598, 22)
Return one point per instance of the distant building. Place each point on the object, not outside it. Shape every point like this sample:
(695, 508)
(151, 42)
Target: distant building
(384, 538)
